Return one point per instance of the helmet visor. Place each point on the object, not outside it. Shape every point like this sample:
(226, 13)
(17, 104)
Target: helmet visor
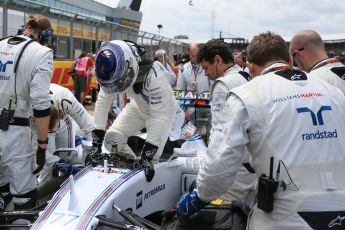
(114, 67)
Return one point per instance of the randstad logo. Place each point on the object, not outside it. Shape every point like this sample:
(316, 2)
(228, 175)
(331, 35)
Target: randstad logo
(3, 65)
(317, 120)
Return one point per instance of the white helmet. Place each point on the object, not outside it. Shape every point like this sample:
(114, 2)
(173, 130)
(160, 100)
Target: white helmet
(116, 65)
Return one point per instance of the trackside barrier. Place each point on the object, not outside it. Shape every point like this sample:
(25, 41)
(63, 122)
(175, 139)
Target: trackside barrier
(61, 77)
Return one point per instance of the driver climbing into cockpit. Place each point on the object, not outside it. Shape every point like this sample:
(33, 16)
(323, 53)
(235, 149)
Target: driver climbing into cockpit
(122, 66)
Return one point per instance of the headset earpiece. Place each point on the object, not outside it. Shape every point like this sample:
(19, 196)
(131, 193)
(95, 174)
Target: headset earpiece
(45, 34)
(20, 30)
(46, 37)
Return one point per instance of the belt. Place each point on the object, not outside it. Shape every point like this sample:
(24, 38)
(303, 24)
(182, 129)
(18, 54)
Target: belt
(19, 121)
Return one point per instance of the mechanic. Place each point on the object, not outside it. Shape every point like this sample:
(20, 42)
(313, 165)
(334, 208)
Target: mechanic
(121, 66)
(219, 67)
(25, 77)
(309, 54)
(294, 129)
(193, 75)
(218, 63)
(62, 132)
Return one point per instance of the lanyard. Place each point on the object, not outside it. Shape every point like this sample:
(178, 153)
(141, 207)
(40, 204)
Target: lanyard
(274, 69)
(321, 63)
(195, 71)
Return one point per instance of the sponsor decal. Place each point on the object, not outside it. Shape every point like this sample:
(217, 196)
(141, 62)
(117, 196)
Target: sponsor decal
(317, 120)
(112, 170)
(5, 78)
(336, 221)
(319, 135)
(297, 96)
(6, 53)
(296, 76)
(154, 191)
(3, 65)
(143, 197)
(139, 200)
(185, 95)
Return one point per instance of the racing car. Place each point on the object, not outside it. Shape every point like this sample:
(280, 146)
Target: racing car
(115, 193)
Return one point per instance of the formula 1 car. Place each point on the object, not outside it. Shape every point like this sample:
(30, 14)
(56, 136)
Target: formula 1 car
(115, 193)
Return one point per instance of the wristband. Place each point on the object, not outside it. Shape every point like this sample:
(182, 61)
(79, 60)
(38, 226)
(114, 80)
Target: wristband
(42, 142)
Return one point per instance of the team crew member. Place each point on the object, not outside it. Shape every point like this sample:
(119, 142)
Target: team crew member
(82, 71)
(160, 55)
(300, 122)
(308, 51)
(193, 75)
(219, 67)
(25, 79)
(61, 130)
(121, 67)
(240, 60)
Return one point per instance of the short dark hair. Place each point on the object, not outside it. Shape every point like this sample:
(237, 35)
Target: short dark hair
(209, 50)
(267, 47)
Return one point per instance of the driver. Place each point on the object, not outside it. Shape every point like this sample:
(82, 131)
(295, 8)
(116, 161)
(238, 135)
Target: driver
(121, 66)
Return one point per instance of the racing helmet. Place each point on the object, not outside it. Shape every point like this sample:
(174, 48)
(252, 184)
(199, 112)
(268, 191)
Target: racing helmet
(116, 67)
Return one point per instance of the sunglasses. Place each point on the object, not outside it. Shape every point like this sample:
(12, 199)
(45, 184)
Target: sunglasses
(294, 54)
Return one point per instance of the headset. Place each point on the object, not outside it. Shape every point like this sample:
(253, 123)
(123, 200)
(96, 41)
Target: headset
(45, 37)
(244, 56)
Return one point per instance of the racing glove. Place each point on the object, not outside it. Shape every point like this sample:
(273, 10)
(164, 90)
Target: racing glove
(64, 167)
(189, 204)
(147, 153)
(40, 159)
(97, 141)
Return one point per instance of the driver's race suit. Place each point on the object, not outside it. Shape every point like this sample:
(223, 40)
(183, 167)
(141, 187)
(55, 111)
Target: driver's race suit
(154, 108)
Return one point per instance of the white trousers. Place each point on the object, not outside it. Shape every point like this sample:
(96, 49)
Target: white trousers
(17, 160)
